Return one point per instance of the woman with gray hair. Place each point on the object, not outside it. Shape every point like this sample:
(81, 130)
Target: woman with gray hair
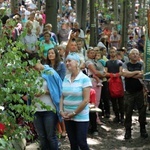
(74, 103)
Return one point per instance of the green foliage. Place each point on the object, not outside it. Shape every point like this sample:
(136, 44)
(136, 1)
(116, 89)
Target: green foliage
(105, 11)
(16, 80)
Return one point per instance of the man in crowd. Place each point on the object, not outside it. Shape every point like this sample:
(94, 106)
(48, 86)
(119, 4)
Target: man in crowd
(133, 73)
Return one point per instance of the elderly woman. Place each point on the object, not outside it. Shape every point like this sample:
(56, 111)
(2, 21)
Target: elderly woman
(74, 103)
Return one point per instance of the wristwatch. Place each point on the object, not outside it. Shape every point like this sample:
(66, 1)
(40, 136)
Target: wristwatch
(74, 113)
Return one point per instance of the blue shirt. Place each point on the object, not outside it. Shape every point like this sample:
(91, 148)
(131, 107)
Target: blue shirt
(46, 47)
(61, 70)
(54, 84)
(73, 95)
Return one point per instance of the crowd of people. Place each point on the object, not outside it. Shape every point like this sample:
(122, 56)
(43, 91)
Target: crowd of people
(81, 74)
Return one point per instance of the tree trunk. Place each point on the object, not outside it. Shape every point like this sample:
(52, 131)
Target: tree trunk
(51, 14)
(125, 22)
(144, 13)
(105, 3)
(14, 6)
(92, 24)
(81, 7)
(79, 11)
(140, 12)
(60, 6)
(133, 9)
(115, 10)
(39, 5)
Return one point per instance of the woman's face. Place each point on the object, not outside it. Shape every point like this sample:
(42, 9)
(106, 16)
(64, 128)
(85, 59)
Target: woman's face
(47, 37)
(71, 64)
(51, 54)
(61, 51)
(91, 54)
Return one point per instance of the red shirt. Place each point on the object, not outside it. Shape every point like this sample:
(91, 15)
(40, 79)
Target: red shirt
(92, 96)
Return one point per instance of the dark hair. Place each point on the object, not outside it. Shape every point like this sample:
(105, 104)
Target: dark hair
(57, 58)
(103, 40)
(47, 32)
(142, 36)
(102, 48)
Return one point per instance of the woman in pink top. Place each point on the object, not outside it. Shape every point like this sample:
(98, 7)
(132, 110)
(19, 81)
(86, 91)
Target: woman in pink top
(43, 16)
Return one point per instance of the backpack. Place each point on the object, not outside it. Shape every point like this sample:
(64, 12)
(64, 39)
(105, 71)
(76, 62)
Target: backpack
(115, 86)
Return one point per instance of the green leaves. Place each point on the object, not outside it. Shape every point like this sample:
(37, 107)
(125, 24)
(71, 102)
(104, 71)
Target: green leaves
(17, 79)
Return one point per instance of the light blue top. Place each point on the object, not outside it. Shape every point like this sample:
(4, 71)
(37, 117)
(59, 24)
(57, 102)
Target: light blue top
(54, 84)
(47, 47)
(73, 95)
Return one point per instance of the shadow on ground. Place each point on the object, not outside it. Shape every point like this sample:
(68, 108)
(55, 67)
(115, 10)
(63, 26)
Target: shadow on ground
(111, 137)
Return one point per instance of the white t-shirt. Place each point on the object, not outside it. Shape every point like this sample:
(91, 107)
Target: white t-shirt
(45, 98)
(100, 44)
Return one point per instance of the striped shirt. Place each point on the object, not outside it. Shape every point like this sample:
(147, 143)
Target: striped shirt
(73, 95)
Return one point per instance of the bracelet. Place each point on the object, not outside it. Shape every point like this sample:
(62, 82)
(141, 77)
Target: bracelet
(74, 113)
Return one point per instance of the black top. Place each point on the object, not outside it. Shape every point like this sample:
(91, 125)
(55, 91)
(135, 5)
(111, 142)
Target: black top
(113, 66)
(132, 84)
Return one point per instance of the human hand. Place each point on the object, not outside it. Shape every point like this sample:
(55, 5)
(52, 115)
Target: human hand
(67, 116)
(25, 97)
(64, 115)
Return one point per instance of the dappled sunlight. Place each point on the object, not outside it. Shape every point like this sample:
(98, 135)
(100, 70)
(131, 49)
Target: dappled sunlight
(120, 137)
(92, 141)
(106, 128)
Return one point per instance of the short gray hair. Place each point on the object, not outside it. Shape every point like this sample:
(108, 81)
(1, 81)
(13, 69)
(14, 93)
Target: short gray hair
(134, 49)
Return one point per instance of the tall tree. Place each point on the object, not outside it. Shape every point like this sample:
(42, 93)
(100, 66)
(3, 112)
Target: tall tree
(39, 4)
(133, 9)
(60, 6)
(115, 10)
(92, 23)
(125, 21)
(81, 13)
(51, 14)
(14, 6)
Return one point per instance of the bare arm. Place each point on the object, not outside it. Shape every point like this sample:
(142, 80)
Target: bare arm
(129, 74)
(61, 104)
(139, 75)
(108, 74)
(68, 44)
(86, 99)
(92, 68)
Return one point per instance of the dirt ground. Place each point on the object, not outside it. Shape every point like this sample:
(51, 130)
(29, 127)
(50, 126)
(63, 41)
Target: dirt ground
(111, 137)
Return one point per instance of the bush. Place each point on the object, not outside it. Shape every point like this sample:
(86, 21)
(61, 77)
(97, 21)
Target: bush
(17, 79)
